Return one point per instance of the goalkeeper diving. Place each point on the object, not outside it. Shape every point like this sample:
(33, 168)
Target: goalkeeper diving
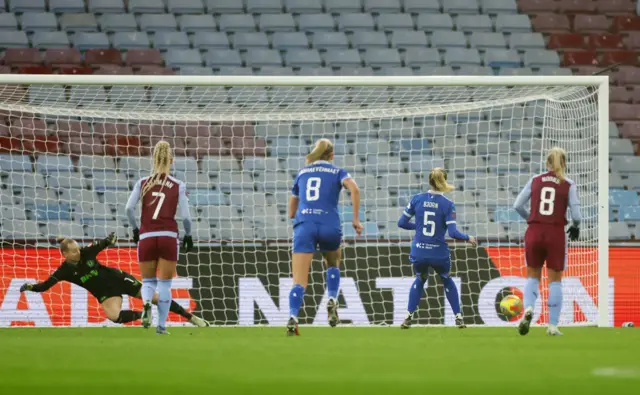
(106, 284)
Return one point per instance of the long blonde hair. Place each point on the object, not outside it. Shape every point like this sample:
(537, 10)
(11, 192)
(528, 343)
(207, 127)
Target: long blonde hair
(321, 151)
(162, 157)
(438, 180)
(557, 162)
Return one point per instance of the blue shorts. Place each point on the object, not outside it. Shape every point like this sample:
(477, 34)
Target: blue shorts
(421, 266)
(311, 237)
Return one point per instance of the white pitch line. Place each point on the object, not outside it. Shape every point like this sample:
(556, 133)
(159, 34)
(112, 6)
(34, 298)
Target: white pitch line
(623, 373)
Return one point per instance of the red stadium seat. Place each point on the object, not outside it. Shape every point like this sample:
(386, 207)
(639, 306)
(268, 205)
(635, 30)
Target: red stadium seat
(591, 23)
(124, 146)
(28, 128)
(632, 40)
(605, 41)
(69, 129)
(624, 57)
(626, 23)
(630, 130)
(585, 70)
(203, 146)
(576, 6)
(62, 57)
(241, 147)
(229, 131)
(635, 94)
(628, 75)
(99, 57)
(620, 94)
(624, 111)
(579, 58)
(537, 6)
(154, 70)
(140, 57)
(114, 70)
(615, 7)
(193, 130)
(112, 129)
(75, 70)
(49, 144)
(35, 70)
(154, 130)
(9, 144)
(566, 41)
(19, 57)
(87, 145)
(551, 23)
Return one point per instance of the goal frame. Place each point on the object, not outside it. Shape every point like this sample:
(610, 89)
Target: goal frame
(602, 83)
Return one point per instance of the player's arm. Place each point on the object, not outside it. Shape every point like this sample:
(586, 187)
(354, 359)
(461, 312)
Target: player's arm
(60, 274)
(98, 246)
(354, 191)
(405, 218)
(576, 218)
(522, 200)
(292, 207)
(130, 209)
(452, 228)
(183, 205)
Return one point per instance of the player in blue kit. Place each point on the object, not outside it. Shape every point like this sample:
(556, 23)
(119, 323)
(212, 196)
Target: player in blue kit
(435, 215)
(313, 206)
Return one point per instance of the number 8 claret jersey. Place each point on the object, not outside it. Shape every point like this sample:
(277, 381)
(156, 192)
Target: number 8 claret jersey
(433, 212)
(549, 199)
(317, 187)
(160, 203)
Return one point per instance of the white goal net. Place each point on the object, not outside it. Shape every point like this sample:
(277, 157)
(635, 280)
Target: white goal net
(71, 152)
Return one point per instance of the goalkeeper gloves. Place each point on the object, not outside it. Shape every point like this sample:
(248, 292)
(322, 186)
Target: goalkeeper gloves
(136, 235)
(574, 233)
(112, 238)
(187, 243)
(26, 287)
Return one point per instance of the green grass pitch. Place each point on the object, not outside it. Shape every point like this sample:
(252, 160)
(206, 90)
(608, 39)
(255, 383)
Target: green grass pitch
(324, 361)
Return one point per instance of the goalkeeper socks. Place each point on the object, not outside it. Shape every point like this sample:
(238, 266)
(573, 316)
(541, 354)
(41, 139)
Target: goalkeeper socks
(555, 302)
(531, 292)
(148, 289)
(451, 291)
(128, 316)
(415, 293)
(295, 300)
(333, 282)
(164, 301)
(174, 307)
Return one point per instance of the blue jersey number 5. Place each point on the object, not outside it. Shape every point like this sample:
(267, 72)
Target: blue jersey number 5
(429, 226)
(313, 188)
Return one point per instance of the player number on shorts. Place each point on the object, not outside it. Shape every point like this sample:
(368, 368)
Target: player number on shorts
(429, 226)
(161, 196)
(313, 188)
(547, 196)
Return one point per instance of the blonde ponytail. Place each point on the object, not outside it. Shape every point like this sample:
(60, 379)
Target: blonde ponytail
(321, 151)
(557, 162)
(162, 157)
(438, 180)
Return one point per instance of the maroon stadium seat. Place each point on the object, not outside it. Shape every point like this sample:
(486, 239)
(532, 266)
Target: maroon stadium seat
(635, 93)
(193, 130)
(537, 6)
(624, 57)
(69, 129)
(4, 131)
(154, 130)
(626, 23)
(628, 76)
(630, 130)
(5, 69)
(28, 127)
(606, 41)
(62, 57)
(9, 144)
(229, 131)
(624, 111)
(111, 129)
(124, 146)
(586, 70)
(99, 57)
(591, 23)
(576, 6)
(579, 58)
(566, 41)
(154, 70)
(241, 147)
(140, 57)
(615, 7)
(620, 94)
(75, 70)
(551, 23)
(87, 145)
(35, 70)
(632, 41)
(114, 70)
(203, 146)
(19, 57)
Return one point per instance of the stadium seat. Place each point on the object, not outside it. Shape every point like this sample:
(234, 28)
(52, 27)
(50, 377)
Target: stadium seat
(484, 40)
(259, 57)
(591, 24)
(62, 57)
(625, 23)
(139, 57)
(456, 57)
(474, 23)
(551, 23)
(19, 57)
(303, 58)
(316, 23)
(566, 41)
(605, 41)
(99, 57)
(264, 6)
(421, 6)
(303, 6)
(630, 130)
(237, 23)
(106, 6)
(45, 40)
(36, 21)
(205, 41)
(619, 57)
(78, 23)
(222, 57)
(131, 40)
(351, 22)
(270, 23)
(60, 6)
(498, 6)
(626, 164)
(629, 76)
(508, 23)
(343, 6)
(433, 22)
(620, 94)
(541, 58)
(196, 23)
(27, 5)
(443, 40)
(623, 198)
(111, 23)
(224, 7)
(152, 23)
(576, 6)
(288, 40)
(330, 40)
(14, 39)
(390, 22)
(146, 6)
(342, 58)
(579, 58)
(622, 111)
(382, 57)
(382, 6)
(403, 39)
(244, 40)
(88, 40)
(460, 7)
(416, 57)
(185, 7)
(501, 58)
(171, 40)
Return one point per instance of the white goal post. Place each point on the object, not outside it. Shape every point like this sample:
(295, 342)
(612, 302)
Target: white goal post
(71, 147)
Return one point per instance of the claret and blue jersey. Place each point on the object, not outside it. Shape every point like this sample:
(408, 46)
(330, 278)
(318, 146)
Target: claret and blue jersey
(317, 222)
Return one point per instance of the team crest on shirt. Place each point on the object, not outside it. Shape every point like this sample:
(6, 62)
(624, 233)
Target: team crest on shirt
(90, 263)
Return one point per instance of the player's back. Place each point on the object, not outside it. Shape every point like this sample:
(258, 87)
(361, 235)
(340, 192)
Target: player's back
(159, 204)
(431, 212)
(318, 187)
(549, 199)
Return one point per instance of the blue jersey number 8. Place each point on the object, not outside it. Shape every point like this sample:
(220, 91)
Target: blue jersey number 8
(429, 226)
(313, 188)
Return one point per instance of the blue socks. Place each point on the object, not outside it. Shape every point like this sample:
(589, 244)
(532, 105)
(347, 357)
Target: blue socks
(148, 289)
(164, 301)
(555, 302)
(451, 291)
(295, 300)
(415, 293)
(333, 282)
(531, 293)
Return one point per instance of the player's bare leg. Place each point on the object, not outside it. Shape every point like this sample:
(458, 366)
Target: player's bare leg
(525, 323)
(149, 283)
(332, 260)
(300, 264)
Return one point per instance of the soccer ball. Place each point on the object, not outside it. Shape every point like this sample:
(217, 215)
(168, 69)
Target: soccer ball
(511, 305)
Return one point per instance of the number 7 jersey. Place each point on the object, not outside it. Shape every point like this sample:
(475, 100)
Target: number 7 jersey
(317, 187)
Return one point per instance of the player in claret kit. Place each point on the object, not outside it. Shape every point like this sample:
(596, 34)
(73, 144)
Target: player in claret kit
(435, 215)
(550, 193)
(160, 195)
(313, 206)
(81, 267)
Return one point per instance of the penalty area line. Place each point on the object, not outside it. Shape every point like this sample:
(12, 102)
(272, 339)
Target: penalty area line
(615, 372)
